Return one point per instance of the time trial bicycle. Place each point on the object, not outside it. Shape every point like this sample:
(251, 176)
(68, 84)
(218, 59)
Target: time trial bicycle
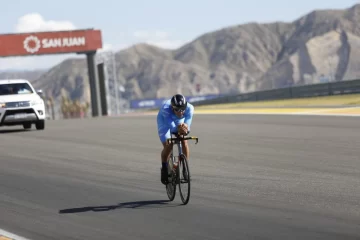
(179, 170)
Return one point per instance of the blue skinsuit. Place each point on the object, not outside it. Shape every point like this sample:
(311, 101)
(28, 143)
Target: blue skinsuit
(167, 121)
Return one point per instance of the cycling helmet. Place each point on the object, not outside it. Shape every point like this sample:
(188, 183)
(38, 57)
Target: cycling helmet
(178, 102)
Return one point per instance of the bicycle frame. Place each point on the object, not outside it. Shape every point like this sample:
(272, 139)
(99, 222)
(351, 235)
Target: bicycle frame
(177, 140)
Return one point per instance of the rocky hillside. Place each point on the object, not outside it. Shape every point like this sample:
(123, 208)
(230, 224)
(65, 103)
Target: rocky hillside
(30, 75)
(236, 59)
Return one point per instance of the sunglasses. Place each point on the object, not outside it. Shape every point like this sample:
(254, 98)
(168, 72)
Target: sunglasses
(178, 110)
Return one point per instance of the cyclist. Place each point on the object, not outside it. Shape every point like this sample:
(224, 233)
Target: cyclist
(175, 116)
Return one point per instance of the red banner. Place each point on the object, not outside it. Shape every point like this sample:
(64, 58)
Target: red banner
(40, 43)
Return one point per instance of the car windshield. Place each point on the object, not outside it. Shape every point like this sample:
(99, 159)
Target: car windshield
(15, 88)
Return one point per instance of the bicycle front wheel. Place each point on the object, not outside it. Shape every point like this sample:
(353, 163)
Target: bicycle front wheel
(184, 179)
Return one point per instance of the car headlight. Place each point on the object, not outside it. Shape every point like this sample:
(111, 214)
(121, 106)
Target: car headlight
(2, 105)
(36, 102)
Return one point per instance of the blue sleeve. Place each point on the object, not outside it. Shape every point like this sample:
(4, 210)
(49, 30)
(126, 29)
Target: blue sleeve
(169, 121)
(189, 116)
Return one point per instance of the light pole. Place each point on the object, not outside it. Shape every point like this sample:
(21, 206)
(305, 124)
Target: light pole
(108, 56)
(116, 83)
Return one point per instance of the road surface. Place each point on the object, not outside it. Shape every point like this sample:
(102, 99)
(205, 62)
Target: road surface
(253, 177)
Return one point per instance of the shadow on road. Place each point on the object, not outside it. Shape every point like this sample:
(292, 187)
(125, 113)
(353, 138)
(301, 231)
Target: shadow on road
(133, 205)
(3, 131)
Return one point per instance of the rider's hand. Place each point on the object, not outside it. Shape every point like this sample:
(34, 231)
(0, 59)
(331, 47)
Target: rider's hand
(182, 128)
(179, 127)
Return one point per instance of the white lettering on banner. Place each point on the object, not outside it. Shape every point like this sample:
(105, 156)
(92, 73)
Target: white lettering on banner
(146, 103)
(64, 42)
(194, 99)
(32, 43)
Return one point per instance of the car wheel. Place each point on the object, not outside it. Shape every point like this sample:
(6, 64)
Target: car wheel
(40, 125)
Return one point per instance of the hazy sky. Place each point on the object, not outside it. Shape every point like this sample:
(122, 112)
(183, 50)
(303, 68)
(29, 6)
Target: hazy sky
(163, 23)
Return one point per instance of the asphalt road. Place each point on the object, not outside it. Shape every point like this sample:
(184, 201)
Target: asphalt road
(254, 177)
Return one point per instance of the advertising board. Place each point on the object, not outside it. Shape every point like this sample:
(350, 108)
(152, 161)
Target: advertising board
(39, 43)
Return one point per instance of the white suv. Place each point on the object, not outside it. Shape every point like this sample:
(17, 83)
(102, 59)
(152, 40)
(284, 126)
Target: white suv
(20, 104)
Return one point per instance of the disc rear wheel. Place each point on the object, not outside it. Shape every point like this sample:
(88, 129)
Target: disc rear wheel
(171, 185)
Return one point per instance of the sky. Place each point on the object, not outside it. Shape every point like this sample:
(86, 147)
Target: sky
(159, 22)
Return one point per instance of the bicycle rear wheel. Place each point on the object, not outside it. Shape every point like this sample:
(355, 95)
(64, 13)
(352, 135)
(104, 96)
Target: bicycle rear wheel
(171, 185)
(184, 179)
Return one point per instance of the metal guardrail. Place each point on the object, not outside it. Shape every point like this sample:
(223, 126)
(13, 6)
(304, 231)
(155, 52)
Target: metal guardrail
(314, 90)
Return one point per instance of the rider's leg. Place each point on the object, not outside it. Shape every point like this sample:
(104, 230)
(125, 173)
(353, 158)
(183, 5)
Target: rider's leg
(165, 153)
(164, 134)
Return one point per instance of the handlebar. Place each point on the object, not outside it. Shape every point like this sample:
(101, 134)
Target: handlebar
(179, 138)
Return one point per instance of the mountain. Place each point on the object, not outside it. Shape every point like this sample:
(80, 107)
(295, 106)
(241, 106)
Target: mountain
(235, 59)
(31, 75)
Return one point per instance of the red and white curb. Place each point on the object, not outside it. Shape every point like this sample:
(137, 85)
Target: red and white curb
(5, 235)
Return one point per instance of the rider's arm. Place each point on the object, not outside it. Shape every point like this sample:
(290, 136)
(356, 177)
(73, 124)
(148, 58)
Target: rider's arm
(189, 116)
(170, 122)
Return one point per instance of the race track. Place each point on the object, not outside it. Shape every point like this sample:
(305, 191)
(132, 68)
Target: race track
(254, 177)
